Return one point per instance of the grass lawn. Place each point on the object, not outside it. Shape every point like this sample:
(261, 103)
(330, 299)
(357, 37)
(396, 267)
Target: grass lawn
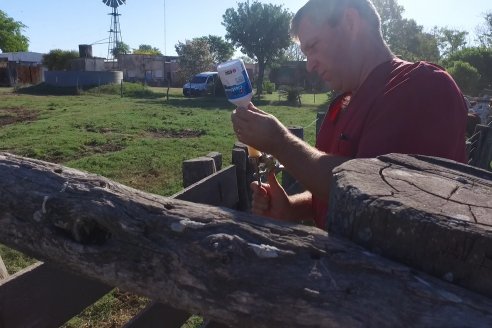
(139, 140)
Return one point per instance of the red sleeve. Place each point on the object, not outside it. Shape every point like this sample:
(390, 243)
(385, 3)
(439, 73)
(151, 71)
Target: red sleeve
(420, 112)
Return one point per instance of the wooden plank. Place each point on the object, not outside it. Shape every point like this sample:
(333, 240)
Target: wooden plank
(212, 191)
(158, 315)
(45, 296)
(484, 153)
(432, 214)
(218, 189)
(3, 270)
(215, 261)
(240, 161)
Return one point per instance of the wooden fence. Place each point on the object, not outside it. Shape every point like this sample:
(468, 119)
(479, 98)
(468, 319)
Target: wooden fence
(44, 295)
(47, 295)
(479, 147)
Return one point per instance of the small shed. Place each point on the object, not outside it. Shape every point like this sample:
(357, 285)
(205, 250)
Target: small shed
(21, 68)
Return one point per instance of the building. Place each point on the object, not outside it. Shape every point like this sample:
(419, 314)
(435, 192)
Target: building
(150, 69)
(20, 68)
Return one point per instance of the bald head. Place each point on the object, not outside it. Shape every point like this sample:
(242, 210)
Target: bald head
(331, 12)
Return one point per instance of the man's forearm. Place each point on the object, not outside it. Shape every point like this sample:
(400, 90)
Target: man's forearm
(301, 207)
(311, 167)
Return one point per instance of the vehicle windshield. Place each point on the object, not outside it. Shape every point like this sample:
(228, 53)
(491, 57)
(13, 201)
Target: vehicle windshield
(199, 79)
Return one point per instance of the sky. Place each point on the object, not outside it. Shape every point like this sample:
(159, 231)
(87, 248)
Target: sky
(64, 24)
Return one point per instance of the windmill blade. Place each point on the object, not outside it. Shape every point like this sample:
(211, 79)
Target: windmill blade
(114, 3)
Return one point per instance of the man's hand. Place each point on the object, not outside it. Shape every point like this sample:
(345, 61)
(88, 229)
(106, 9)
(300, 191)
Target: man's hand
(258, 129)
(270, 199)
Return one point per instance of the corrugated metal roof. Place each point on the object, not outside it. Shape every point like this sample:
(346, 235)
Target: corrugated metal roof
(30, 57)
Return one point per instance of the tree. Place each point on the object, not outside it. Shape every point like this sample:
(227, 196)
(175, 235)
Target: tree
(220, 49)
(293, 53)
(194, 57)
(449, 40)
(404, 36)
(260, 30)
(121, 48)
(478, 57)
(59, 60)
(145, 49)
(11, 37)
(484, 32)
(466, 76)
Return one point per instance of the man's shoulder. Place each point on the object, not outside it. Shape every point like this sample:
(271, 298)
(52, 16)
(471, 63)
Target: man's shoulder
(422, 76)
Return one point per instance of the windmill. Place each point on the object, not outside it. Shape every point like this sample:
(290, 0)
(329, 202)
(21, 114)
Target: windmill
(114, 28)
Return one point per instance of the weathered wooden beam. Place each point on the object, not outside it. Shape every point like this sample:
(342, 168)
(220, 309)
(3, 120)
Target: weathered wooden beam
(432, 214)
(45, 296)
(234, 268)
(218, 189)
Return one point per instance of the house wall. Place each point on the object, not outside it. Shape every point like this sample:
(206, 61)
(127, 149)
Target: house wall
(157, 70)
(80, 78)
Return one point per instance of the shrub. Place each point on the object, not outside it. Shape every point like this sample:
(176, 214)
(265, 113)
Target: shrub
(466, 76)
(59, 60)
(268, 87)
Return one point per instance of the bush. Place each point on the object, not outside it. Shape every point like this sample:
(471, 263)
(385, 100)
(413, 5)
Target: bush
(480, 58)
(59, 60)
(268, 87)
(466, 76)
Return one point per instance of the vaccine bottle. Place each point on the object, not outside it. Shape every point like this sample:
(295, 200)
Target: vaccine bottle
(238, 89)
(236, 82)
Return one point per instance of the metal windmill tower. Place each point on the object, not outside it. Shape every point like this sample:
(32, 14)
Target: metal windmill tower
(114, 28)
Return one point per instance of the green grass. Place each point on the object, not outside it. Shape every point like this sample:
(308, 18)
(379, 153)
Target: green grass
(139, 140)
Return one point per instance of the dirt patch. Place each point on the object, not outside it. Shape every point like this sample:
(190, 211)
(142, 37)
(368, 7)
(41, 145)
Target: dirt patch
(180, 134)
(16, 115)
(103, 148)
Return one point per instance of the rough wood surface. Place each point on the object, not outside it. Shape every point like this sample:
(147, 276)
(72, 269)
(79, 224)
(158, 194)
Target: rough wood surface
(232, 267)
(45, 296)
(218, 189)
(3, 270)
(432, 214)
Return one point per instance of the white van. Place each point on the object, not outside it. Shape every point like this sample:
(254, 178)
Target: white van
(202, 84)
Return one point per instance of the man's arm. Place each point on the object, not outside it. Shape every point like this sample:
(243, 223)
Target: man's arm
(311, 167)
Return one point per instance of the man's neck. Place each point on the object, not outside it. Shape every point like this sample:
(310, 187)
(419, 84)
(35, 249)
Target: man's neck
(375, 53)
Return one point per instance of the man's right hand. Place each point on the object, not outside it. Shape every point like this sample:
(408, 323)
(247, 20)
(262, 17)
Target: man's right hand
(270, 199)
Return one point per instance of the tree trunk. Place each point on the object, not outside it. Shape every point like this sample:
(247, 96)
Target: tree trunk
(261, 75)
(234, 268)
(432, 214)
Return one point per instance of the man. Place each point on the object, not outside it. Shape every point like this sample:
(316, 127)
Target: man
(385, 105)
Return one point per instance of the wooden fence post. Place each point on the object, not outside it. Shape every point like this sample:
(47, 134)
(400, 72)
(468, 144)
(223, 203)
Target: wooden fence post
(484, 151)
(217, 157)
(289, 183)
(196, 169)
(239, 159)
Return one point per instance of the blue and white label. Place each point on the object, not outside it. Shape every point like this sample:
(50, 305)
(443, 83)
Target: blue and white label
(236, 82)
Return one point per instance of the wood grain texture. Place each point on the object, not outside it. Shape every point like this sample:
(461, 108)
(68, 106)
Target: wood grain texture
(432, 214)
(231, 267)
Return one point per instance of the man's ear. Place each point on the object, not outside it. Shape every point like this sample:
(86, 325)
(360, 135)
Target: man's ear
(351, 20)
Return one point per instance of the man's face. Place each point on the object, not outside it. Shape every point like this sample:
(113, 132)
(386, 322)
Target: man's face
(324, 48)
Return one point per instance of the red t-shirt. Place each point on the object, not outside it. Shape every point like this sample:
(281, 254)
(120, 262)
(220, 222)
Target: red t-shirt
(402, 107)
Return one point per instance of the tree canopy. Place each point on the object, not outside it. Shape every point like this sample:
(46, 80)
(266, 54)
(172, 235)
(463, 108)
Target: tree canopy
(11, 37)
(450, 40)
(404, 36)
(59, 60)
(485, 31)
(260, 30)
(194, 57)
(145, 49)
(121, 48)
(220, 50)
(479, 58)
